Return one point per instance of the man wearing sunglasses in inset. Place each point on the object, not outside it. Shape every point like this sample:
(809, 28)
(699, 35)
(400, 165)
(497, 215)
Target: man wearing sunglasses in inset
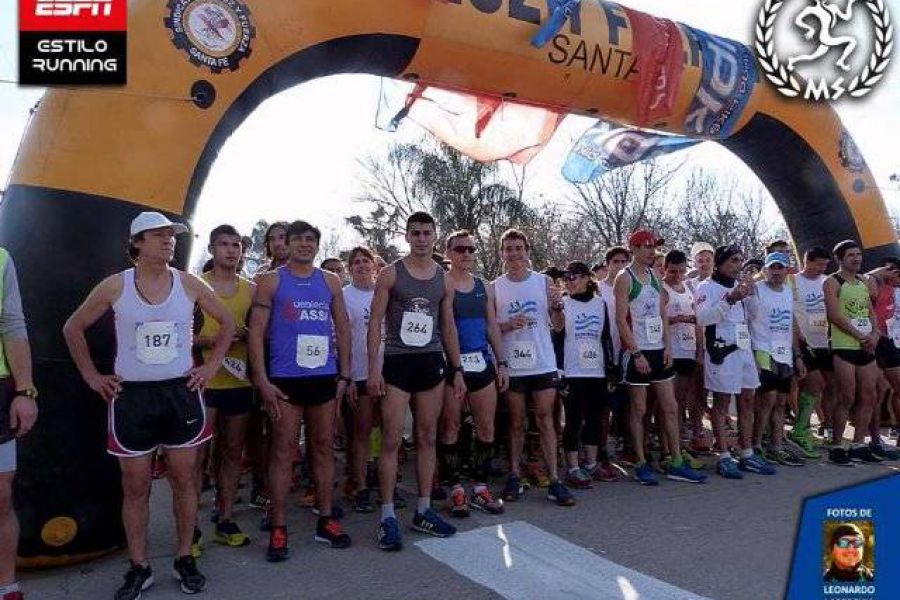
(848, 546)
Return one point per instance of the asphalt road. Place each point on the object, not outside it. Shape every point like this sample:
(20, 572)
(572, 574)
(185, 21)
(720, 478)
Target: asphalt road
(729, 540)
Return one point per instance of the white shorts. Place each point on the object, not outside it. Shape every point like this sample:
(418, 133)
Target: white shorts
(8, 456)
(737, 372)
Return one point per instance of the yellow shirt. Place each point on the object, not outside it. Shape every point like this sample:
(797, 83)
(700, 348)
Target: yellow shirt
(233, 373)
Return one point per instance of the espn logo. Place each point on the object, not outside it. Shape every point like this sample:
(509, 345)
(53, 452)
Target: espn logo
(73, 8)
(72, 42)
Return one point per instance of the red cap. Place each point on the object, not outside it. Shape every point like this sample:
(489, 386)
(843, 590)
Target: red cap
(643, 237)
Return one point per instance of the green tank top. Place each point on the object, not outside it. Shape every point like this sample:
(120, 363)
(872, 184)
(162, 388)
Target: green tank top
(854, 302)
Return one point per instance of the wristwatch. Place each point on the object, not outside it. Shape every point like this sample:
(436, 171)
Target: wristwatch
(457, 370)
(344, 378)
(28, 393)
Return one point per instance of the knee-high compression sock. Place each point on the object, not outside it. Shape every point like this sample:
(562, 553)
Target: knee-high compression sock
(481, 460)
(448, 459)
(375, 443)
(806, 404)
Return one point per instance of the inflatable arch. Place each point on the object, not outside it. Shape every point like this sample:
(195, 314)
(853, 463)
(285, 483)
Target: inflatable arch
(92, 159)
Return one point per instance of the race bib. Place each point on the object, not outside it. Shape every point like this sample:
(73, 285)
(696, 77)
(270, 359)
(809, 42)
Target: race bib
(817, 321)
(588, 356)
(653, 326)
(416, 329)
(687, 338)
(522, 355)
(157, 342)
(742, 335)
(893, 330)
(863, 325)
(236, 367)
(781, 353)
(312, 351)
(473, 362)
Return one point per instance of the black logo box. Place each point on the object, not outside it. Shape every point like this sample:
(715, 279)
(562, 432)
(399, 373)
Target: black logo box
(30, 57)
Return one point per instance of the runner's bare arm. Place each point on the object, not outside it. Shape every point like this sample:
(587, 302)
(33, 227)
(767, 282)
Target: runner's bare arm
(341, 323)
(448, 325)
(259, 322)
(493, 328)
(383, 286)
(95, 306)
(620, 289)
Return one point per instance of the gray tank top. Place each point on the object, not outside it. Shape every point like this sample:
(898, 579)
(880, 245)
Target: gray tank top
(412, 319)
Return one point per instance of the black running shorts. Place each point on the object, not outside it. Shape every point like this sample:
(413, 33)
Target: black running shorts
(887, 354)
(534, 383)
(414, 373)
(231, 402)
(477, 381)
(659, 372)
(307, 391)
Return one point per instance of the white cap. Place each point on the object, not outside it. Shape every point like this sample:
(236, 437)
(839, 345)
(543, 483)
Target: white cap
(699, 247)
(154, 220)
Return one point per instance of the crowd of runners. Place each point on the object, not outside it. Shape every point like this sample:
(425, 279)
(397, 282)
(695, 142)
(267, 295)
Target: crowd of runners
(557, 379)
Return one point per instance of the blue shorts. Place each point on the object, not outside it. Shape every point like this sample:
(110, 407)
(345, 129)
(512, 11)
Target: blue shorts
(8, 456)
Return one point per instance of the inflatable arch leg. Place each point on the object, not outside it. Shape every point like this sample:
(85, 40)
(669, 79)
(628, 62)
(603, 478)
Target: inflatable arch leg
(92, 159)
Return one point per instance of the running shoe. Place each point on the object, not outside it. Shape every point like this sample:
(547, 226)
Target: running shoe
(362, 501)
(388, 535)
(578, 479)
(538, 475)
(278, 550)
(894, 433)
(229, 534)
(689, 460)
(884, 452)
(185, 570)
(483, 500)
(197, 543)
(840, 457)
(684, 472)
(137, 579)
(559, 494)
(804, 441)
(645, 475)
(258, 499)
(329, 531)
(628, 458)
(728, 468)
(459, 507)
(605, 472)
(756, 464)
(783, 457)
(336, 511)
(16, 595)
(513, 490)
(863, 454)
(432, 524)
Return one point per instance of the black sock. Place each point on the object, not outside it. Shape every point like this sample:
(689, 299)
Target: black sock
(481, 460)
(448, 459)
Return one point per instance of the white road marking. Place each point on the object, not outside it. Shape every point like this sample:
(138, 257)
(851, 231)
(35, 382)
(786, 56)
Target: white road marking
(519, 561)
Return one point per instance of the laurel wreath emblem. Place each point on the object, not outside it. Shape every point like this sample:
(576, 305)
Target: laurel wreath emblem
(789, 85)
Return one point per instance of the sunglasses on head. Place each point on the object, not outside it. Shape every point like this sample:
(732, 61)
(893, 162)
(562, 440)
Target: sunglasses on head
(464, 249)
(847, 542)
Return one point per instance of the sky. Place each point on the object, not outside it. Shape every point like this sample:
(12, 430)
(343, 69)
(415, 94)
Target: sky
(302, 146)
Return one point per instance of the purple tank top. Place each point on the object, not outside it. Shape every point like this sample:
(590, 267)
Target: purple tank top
(301, 333)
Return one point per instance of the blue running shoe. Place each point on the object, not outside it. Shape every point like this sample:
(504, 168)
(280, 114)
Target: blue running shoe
(513, 491)
(756, 464)
(685, 473)
(432, 524)
(557, 492)
(645, 475)
(728, 468)
(389, 537)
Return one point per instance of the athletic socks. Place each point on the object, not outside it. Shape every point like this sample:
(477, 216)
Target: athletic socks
(423, 504)
(746, 452)
(387, 511)
(481, 460)
(448, 461)
(806, 403)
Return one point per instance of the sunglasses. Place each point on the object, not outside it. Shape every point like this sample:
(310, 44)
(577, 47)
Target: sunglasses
(854, 542)
(464, 249)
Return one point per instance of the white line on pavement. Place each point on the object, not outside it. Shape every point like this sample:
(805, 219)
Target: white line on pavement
(519, 561)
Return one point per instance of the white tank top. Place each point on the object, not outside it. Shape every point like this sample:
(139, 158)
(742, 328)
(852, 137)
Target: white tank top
(771, 327)
(153, 341)
(582, 349)
(646, 319)
(684, 335)
(359, 304)
(607, 292)
(529, 351)
(809, 306)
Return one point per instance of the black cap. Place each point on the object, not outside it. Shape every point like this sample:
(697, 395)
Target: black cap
(723, 253)
(576, 267)
(753, 262)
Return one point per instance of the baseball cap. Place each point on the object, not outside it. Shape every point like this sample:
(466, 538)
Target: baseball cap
(699, 247)
(777, 258)
(643, 237)
(577, 268)
(154, 220)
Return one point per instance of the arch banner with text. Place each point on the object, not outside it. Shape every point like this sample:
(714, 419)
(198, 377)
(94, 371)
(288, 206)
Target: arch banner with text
(92, 158)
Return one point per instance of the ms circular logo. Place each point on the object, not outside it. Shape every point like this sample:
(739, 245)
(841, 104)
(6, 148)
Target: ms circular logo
(216, 34)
